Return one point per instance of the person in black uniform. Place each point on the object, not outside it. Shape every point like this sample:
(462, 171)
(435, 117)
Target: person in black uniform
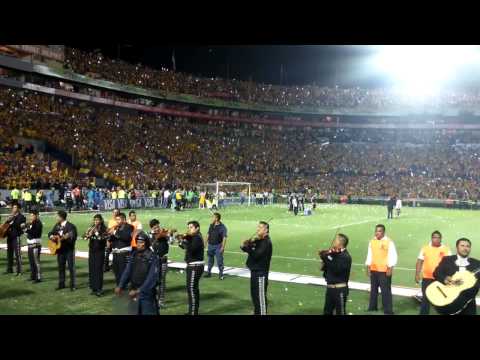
(192, 243)
(390, 205)
(66, 254)
(97, 241)
(121, 238)
(160, 243)
(34, 242)
(17, 222)
(460, 262)
(337, 263)
(141, 273)
(258, 261)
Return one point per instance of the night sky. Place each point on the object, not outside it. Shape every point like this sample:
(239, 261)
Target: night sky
(321, 64)
(324, 65)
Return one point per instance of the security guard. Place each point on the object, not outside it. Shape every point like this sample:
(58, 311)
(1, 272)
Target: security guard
(142, 274)
(15, 194)
(337, 263)
(34, 242)
(381, 258)
(258, 261)
(27, 198)
(428, 260)
(216, 239)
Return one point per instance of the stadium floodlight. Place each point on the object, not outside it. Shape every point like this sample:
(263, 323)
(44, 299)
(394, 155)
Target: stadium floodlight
(421, 70)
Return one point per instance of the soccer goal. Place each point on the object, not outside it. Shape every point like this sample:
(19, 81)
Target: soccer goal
(230, 191)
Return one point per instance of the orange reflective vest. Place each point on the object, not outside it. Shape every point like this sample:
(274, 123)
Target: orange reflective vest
(431, 258)
(379, 250)
(135, 225)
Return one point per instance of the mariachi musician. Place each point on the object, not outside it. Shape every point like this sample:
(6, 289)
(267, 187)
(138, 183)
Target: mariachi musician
(337, 263)
(259, 252)
(121, 240)
(14, 229)
(65, 232)
(192, 243)
(97, 241)
(108, 250)
(160, 239)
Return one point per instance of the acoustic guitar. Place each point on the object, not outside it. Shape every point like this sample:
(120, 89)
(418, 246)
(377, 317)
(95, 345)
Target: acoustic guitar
(55, 244)
(3, 230)
(451, 299)
(5, 226)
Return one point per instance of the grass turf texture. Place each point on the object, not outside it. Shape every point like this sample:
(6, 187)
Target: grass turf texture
(296, 241)
(228, 297)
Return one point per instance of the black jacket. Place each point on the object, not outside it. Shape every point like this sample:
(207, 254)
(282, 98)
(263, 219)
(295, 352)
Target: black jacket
(122, 237)
(336, 269)
(15, 229)
(259, 254)
(391, 203)
(34, 231)
(71, 230)
(447, 267)
(194, 248)
(98, 241)
(160, 246)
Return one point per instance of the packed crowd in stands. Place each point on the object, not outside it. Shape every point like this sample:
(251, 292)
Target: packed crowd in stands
(306, 97)
(146, 151)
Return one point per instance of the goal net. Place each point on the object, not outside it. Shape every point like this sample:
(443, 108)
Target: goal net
(223, 193)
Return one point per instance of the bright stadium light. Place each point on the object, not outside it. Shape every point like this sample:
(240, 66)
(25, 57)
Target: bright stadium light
(421, 70)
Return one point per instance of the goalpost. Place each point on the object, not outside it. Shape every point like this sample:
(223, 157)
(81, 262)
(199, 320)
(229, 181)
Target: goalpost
(216, 186)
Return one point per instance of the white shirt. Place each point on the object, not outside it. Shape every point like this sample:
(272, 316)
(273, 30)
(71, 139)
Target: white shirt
(462, 263)
(166, 194)
(294, 202)
(399, 204)
(392, 256)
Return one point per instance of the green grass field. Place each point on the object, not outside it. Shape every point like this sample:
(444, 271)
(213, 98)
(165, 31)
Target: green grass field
(296, 241)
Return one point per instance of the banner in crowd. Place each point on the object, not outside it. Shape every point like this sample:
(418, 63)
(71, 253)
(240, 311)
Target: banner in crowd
(140, 203)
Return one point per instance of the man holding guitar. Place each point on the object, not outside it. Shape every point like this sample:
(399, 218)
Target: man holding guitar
(459, 263)
(14, 229)
(64, 233)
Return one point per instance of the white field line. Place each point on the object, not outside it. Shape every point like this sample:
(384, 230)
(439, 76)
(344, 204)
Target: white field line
(301, 259)
(275, 276)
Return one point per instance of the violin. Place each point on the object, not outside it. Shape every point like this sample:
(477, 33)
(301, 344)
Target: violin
(89, 232)
(332, 250)
(162, 233)
(111, 230)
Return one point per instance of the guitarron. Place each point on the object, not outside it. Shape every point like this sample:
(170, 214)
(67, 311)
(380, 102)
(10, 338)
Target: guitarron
(451, 299)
